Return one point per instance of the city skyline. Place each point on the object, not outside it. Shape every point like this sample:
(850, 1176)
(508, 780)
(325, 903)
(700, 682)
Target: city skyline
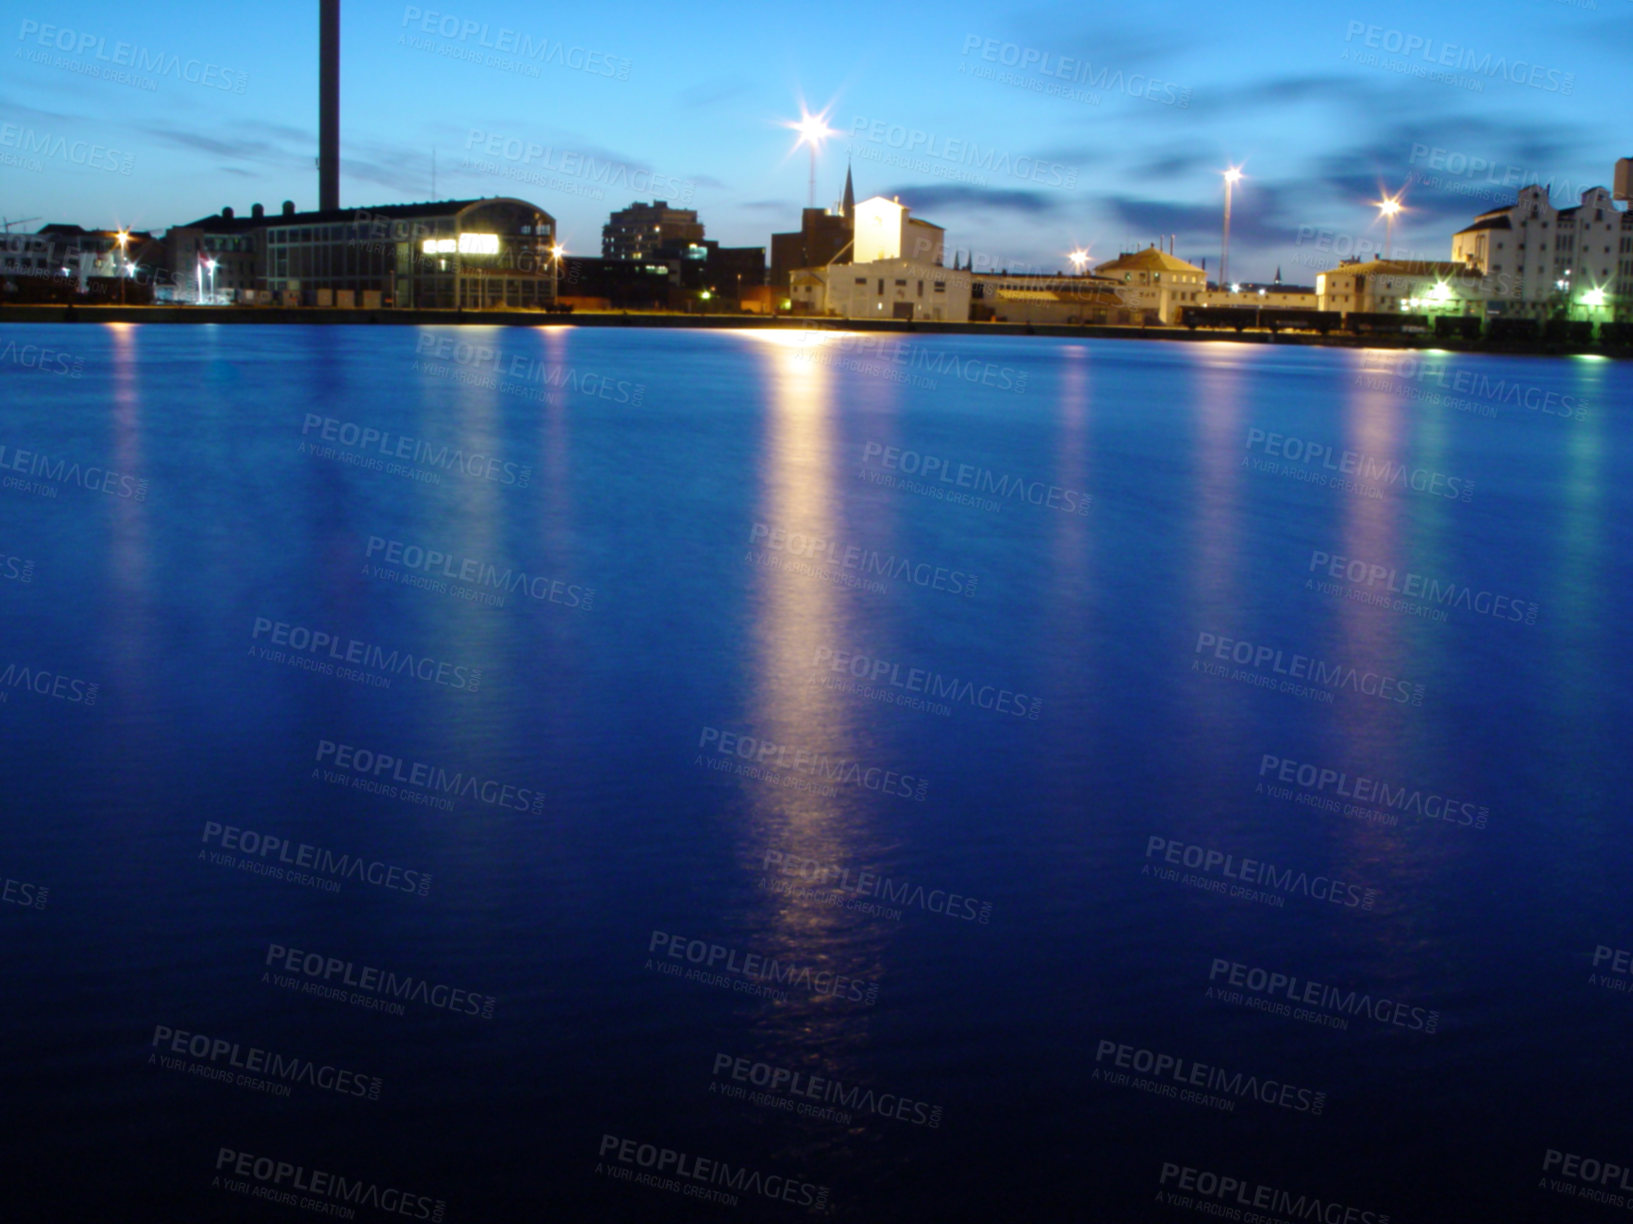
(1026, 134)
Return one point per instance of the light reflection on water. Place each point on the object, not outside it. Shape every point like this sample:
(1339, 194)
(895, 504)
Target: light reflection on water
(652, 504)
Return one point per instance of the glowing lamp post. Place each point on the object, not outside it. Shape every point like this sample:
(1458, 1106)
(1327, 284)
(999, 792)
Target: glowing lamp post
(1080, 259)
(124, 238)
(813, 130)
(1388, 207)
(1232, 177)
(556, 252)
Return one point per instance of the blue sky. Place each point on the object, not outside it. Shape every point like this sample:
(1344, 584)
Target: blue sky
(1025, 131)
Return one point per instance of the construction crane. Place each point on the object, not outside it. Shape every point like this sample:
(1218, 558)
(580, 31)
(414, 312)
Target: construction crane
(9, 224)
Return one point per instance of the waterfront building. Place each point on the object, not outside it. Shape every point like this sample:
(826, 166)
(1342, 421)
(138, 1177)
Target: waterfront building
(590, 282)
(1403, 286)
(484, 254)
(1543, 262)
(235, 246)
(1019, 297)
(731, 273)
(886, 230)
(643, 229)
(887, 267)
(882, 289)
(681, 275)
(1156, 284)
(30, 255)
(825, 236)
(61, 261)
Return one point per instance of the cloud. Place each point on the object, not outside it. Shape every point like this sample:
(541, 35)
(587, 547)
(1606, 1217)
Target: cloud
(234, 148)
(922, 199)
(1127, 45)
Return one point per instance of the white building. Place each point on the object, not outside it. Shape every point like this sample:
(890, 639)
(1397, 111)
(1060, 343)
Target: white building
(1539, 259)
(1402, 286)
(895, 272)
(885, 229)
(882, 289)
(1155, 283)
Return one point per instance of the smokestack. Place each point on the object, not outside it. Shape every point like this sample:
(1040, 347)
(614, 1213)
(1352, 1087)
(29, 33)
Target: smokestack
(328, 104)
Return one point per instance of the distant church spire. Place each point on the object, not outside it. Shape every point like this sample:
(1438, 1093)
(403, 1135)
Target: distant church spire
(847, 206)
(1278, 274)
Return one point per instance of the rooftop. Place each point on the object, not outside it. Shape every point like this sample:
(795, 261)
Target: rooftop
(430, 208)
(1406, 267)
(1488, 221)
(1148, 260)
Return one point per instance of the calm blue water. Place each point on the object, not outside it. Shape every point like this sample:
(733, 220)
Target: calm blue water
(994, 905)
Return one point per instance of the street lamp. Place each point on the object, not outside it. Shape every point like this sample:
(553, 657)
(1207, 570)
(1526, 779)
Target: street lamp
(124, 237)
(1232, 177)
(813, 130)
(1079, 259)
(209, 266)
(1388, 207)
(556, 252)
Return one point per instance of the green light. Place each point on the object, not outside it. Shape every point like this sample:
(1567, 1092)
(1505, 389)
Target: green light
(1594, 297)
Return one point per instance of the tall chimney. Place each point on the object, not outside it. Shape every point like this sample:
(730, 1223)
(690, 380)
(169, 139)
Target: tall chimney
(328, 104)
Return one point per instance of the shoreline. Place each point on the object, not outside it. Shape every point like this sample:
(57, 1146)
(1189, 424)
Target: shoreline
(327, 316)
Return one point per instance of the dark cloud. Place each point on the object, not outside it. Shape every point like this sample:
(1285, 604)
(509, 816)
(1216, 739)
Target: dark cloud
(12, 107)
(922, 199)
(1457, 166)
(1186, 163)
(1130, 46)
(227, 147)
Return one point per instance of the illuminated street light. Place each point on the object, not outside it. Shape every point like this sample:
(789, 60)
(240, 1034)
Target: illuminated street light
(1079, 258)
(813, 130)
(124, 237)
(556, 252)
(209, 266)
(1232, 177)
(1389, 206)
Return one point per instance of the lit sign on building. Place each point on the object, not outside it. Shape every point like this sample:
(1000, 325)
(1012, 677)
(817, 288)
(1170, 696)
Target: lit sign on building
(467, 244)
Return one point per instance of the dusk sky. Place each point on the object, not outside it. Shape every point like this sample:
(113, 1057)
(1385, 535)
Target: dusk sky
(1321, 103)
